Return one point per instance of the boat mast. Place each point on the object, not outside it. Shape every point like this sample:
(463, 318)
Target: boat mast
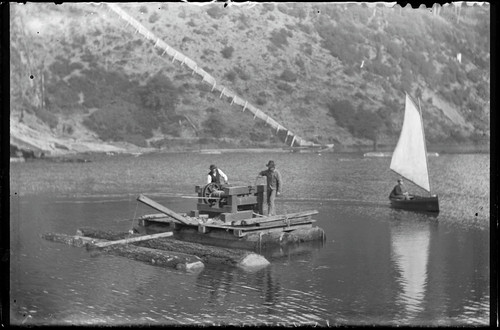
(425, 145)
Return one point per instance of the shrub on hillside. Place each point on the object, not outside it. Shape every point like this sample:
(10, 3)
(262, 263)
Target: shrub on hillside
(297, 11)
(244, 20)
(216, 11)
(230, 75)
(227, 52)
(279, 37)
(380, 69)
(159, 95)
(266, 7)
(474, 75)
(61, 95)
(112, 123)
(241, 73)
(283, 8)
(288, 76)
(359, 123)
(47, 117)
(304, 28)
(285, 87)
(214, 127)
(60, 67)
(306, 48)
(270, 49)
(339, 43)
(154, 17)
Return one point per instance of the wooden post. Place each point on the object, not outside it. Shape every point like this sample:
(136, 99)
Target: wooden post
(261, 192)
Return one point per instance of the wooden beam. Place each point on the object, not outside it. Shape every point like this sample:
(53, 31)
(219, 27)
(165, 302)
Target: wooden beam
(228, 217)
(240, 190)
(278, 217)
(134, 239)
(164, 209)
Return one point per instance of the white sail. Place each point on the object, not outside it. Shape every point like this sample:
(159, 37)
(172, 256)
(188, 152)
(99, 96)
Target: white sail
(410, 157)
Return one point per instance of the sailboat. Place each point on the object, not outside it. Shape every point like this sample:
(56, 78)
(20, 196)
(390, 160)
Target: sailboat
(409, 160)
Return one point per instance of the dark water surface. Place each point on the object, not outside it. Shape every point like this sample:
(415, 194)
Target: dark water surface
(379, 266)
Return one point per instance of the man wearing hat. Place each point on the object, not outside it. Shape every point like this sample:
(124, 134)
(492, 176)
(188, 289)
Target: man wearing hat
(399, 191)
(274, 185)
(215, 175)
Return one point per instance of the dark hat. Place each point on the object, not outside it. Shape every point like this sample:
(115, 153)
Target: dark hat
(400, 180)
(270, 164)
(212, 167)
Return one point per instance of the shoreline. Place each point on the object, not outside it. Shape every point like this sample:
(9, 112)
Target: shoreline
(89, 155)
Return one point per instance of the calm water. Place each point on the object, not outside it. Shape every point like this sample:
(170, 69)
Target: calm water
(379, 266)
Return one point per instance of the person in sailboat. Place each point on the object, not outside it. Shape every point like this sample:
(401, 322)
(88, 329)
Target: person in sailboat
(216, 174)
(399, 191)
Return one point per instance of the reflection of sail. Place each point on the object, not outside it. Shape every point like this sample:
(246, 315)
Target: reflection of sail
(410, 250)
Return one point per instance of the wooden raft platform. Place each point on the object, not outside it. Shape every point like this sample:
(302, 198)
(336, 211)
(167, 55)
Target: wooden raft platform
(240, 228)
(231, 216)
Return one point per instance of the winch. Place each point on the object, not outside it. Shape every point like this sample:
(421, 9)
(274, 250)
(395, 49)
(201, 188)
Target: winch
(230, 202)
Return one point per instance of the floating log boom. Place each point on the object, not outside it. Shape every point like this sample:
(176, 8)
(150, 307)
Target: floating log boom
(208, 254)
(155, 257)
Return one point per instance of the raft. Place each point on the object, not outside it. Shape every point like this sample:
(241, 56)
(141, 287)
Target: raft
(227, 223)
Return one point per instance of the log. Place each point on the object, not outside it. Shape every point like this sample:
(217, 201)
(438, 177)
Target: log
(171, 259)
(77, 240)
(181, 261)
(164, 209)
(208, 254)
(134, 239)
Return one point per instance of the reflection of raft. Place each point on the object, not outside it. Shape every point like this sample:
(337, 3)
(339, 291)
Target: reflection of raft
(231, 216)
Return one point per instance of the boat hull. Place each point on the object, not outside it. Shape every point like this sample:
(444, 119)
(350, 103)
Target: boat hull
(417, 203)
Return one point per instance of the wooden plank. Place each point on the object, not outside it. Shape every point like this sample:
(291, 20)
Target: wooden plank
(278, 217)
(278, 229)
(276, 225)
(284, 221)
(164, 209)
(134, 239)
(206, 208)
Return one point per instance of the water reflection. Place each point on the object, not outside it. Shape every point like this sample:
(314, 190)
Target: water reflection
(410, 253)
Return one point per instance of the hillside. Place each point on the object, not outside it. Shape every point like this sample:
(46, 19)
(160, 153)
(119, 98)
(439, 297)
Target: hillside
(332, 73)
